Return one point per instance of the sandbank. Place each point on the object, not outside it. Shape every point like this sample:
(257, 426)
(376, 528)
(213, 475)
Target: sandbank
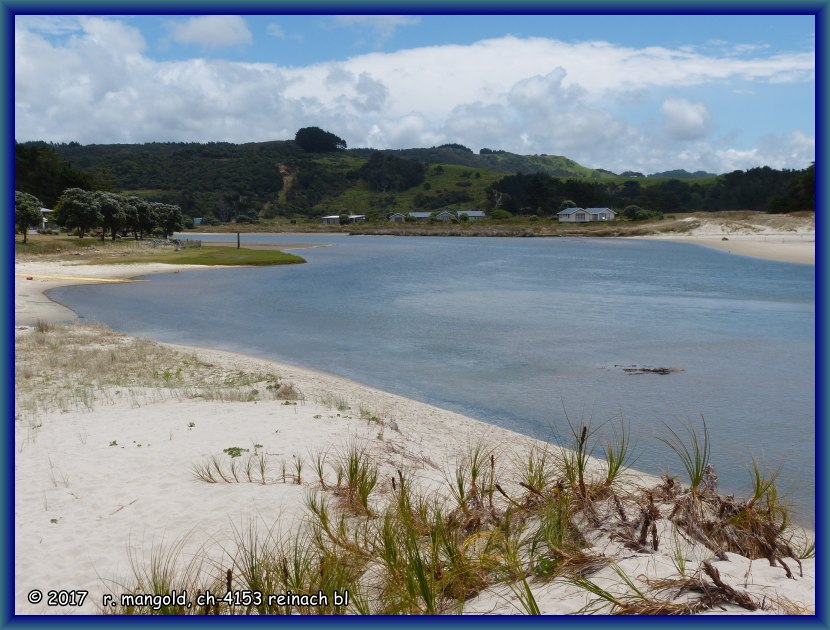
(772, 237)
(33, 278)
(791, 249)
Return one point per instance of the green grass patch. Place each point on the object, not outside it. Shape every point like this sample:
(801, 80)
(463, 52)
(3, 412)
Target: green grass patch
(216, 256)
(45, 244)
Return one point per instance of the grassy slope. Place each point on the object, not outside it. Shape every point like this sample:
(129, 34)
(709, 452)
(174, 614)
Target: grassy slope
(360, 198)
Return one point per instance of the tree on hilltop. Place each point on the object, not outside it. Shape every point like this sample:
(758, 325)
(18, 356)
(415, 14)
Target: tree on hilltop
(316, 140)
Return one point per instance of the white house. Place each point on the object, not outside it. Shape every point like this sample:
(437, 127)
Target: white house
(584, 215)
(420, 216)
(46, 214)
(397, 217)
(472, 214)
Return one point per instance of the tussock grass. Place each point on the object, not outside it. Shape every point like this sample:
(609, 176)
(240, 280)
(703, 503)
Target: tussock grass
(694, 455)
(619, 454)
(357, 476)
(221, 469)
(167, 568)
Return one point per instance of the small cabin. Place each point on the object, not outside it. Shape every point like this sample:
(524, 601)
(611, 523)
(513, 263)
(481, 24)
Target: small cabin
(585, 215)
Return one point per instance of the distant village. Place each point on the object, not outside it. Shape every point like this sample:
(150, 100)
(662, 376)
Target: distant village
(568, 215)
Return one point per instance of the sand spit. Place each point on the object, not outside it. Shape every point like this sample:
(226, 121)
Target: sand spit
(772, 237)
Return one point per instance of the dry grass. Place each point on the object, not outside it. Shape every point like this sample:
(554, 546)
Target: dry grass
(81, 365)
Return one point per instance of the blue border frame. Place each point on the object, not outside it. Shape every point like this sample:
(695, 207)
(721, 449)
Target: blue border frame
(819, 8)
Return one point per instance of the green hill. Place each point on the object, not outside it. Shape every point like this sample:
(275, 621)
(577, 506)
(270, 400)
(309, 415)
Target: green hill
(495, 161)
(258, 181)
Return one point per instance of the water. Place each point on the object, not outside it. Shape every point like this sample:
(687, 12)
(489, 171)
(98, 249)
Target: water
(521, 332)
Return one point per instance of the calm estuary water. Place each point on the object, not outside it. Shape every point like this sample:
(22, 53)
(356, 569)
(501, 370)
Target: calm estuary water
(519, 332)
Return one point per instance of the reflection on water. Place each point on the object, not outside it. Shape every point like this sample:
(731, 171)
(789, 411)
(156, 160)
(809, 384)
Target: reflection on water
(521, 332)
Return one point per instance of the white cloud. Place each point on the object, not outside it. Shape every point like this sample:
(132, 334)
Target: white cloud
(684, 120)
(211, 31)
(525, 95)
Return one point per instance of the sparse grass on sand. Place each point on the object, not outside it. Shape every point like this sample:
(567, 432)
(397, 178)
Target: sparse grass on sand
(77, 366)
(397, 549)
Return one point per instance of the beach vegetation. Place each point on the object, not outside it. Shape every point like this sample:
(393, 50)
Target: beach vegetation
(83, 365)
(694, 455)
(415, 552)
(619, 454)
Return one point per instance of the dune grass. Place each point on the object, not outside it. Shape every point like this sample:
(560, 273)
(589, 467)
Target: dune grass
(404, 550)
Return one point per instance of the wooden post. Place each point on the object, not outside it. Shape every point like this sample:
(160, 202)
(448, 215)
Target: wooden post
(237, 240)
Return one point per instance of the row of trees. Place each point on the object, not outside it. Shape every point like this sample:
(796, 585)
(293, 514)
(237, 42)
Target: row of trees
(85, 210)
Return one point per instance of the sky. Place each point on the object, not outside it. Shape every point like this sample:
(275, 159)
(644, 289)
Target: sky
(645, 93)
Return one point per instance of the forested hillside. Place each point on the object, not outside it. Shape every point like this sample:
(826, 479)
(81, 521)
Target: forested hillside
(252, 182)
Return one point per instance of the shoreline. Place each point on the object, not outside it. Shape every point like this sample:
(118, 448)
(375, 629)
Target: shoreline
(789, 248)
(31, 304)
(80, 521)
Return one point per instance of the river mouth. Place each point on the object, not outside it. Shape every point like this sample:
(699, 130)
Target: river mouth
(522, 332)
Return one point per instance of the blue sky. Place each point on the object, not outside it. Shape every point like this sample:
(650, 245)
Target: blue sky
(634, 92)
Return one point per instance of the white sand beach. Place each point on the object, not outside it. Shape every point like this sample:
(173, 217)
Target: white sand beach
(105, 474)
(772, 237)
